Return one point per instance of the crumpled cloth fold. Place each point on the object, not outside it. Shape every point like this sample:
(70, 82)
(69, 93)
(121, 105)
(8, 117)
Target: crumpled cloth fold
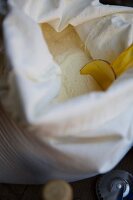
(79, 138)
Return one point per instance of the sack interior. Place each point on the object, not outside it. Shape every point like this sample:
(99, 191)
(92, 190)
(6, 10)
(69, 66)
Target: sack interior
(70, 53)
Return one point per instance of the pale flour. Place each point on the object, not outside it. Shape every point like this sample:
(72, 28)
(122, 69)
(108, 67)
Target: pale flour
(68, 51)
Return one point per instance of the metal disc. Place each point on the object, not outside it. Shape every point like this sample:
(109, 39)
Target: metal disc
(115, 185)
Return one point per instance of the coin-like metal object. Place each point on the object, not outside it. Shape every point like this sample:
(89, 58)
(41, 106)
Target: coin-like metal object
(57, 190)
(115, 185)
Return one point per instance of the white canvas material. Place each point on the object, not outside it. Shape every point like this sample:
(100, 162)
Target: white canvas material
(85, 135)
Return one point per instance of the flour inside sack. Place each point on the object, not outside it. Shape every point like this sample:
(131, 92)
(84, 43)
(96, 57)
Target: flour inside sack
(69, 52)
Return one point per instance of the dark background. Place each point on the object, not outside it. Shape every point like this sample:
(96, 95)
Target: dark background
(118, 2)
(83, 190)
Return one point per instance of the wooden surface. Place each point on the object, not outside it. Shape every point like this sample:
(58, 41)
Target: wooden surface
(83, 190)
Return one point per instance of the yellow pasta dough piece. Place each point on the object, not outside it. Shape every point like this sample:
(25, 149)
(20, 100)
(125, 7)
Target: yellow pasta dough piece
(101, 71)
(104, 72)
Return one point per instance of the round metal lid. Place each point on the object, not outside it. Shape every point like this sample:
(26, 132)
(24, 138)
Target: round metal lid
(115, 185)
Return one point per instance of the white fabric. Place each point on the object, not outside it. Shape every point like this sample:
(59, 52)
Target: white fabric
(85, 135)
(117, 31)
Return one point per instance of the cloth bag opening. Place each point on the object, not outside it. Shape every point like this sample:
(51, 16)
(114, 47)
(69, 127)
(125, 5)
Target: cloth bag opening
(76, 125)
(70, 54)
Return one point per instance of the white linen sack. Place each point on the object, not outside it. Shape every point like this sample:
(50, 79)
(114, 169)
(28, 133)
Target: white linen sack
(73, 129)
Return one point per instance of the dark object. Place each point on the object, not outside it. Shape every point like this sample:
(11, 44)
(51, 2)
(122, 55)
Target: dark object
(118, 2)
(3, 7)
(115, 185)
